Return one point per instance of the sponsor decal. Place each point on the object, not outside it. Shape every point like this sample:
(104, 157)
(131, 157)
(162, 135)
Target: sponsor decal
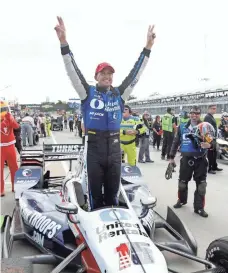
(96, 114)
(97, 104)
(38, 238)
(43, 224)
(26, 181)
(60, 157)
(65, 148)
(27, 172)
(128, 169)
(131, 177)
(109, 215)
(112, 106)
(115, 229)
(134, 254)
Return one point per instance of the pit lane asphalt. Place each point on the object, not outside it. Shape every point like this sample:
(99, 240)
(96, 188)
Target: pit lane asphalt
(204, 230)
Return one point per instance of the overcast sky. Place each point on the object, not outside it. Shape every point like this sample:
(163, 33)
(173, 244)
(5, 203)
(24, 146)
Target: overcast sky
(112, 31)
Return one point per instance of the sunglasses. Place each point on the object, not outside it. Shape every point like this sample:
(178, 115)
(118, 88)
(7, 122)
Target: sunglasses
(195, 113)
(126, 109)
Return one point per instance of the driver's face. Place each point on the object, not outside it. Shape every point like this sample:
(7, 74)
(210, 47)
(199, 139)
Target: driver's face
(195, 116)
(105, 77)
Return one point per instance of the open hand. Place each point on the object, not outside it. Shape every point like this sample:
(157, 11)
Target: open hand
(61, 30)
(150, 37)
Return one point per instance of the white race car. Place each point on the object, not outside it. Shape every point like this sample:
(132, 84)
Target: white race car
(106, 240)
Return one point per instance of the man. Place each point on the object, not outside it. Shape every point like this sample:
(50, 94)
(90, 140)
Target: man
(193, 163)
(183, 118)
(130, 128)
(212, 154)
(102, 106)
(144, 140)
(7, 147)
(169, 128)
(42, 123)
(48, 125)
(27, 130)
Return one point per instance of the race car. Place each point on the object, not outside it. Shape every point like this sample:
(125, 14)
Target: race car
(222, 150)
(56, 124)
(53, 214)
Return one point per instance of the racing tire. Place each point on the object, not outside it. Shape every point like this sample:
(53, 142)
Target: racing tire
(16, 265)
(35, 139)
(217, 253)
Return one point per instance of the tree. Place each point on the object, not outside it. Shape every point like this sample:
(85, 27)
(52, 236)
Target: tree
(59, 102)
(132, 97)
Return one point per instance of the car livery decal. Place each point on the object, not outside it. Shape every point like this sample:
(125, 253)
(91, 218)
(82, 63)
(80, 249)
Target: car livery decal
(135, 253)
(42, 223)
(118, 229)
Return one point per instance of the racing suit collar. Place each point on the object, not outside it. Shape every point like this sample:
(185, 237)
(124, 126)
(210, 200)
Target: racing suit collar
(189, 123)
(104, 89)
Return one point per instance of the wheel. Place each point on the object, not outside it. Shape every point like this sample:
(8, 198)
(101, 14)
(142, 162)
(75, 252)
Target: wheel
(217, 253)
(35, 139)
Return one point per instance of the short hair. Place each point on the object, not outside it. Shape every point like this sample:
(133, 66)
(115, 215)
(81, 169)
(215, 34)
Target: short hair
(211, 105)
(195, 108)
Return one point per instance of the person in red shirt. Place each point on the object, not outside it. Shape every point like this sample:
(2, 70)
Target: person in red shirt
(7, 145)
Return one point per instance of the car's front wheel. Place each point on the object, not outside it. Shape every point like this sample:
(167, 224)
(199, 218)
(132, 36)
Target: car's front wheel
(217, 253)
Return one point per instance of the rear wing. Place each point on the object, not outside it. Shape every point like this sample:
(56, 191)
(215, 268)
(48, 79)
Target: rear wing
(54, 152)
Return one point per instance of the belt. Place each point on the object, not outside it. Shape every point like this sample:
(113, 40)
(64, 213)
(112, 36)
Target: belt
(127, 142)
(102, 133)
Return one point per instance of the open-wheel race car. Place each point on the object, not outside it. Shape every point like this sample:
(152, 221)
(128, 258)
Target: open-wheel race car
(53, 214)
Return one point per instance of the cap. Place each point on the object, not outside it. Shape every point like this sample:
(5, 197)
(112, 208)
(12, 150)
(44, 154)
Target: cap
(102, 66)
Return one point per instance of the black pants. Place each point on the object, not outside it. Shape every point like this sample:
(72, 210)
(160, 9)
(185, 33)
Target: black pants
(104, 169)
(156, 140)
(79, 126)
(198, 169)
(167, 143)
(42, 128)
(212, 159)
(71, 125)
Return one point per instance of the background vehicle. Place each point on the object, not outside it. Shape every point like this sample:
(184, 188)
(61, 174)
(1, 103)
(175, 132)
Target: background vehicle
(56, 124)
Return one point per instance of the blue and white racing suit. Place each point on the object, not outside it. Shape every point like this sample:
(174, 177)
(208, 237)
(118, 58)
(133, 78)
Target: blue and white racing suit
(102, 114)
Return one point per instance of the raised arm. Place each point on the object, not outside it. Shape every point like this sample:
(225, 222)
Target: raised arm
(131, 80)
(77, 79)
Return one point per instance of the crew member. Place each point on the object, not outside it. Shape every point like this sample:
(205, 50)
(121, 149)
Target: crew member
(27, 129)
(184, 118)
(71, 123)
(212, 153)
(193, 162)
(144, 140)
(102, 106)
(168, 128)
(7, 145)
(48, 125)
(130, 128)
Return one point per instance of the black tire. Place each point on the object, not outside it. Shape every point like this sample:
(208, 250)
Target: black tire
(35, 139)
(217, 253)
(16, 265)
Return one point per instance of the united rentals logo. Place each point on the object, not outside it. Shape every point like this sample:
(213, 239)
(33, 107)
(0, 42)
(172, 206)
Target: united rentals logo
(118, 229)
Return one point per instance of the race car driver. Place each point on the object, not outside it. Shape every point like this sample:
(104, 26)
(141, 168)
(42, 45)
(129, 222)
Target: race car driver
(130, 128)
(7, 147)
(193, 163)
(102, 106)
